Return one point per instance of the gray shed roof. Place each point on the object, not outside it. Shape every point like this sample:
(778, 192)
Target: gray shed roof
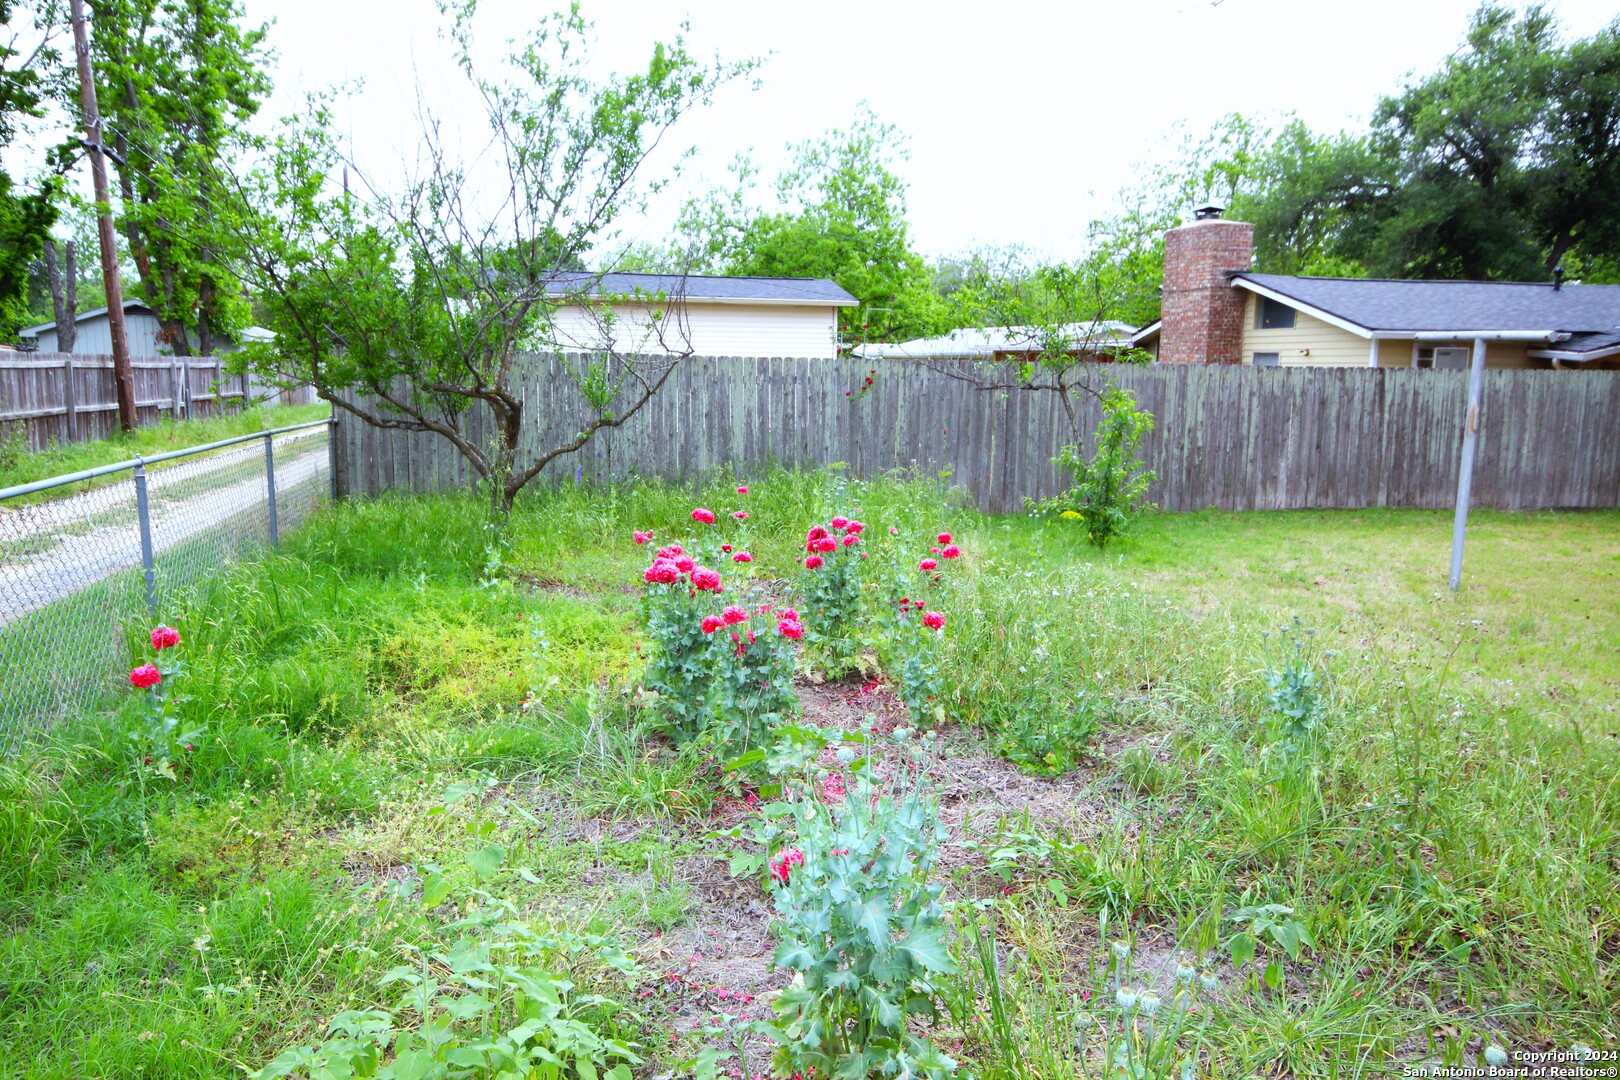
(84, 316)
(1376, 304)
(736, 290)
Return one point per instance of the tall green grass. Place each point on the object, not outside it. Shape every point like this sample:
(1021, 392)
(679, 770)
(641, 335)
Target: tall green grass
(1452, 851)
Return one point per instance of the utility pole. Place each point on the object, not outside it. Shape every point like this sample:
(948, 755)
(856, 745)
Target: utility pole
(123, 374)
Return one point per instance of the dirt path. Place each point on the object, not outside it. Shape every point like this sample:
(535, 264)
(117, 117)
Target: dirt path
(52, 550)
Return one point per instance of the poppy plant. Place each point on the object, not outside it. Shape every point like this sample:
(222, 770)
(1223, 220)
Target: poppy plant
(734, 614)
(951, 552)
(165, 637)
(934, 620)
(812, 562)
(704, 579)
(711, 623)
(145, 676)
(702, 516)
(927, 564)
(742, 556)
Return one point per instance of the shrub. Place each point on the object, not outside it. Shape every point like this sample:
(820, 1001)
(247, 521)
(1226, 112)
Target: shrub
(862, 927)
(673, 613)
(830, 587)
(752, 691)
(1109, 486)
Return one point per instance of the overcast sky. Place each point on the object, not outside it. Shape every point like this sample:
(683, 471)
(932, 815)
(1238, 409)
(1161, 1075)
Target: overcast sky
(1024, 117)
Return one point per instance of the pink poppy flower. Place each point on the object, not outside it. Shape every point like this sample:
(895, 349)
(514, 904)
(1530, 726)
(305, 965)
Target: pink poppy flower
(165, 637)
(704, 579)
(702, 516)
(145, 676)
(812, 562)
(943, 538)
(711, 623)
(734, 614)
(742, 556)
(927, 565)
(951, 552)
(790, 628)
(934, 620)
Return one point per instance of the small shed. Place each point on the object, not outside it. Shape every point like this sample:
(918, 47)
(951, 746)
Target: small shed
(141, 325)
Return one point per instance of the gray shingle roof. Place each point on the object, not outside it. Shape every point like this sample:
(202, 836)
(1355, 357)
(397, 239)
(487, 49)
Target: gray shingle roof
(762, 290)
(1424, 306)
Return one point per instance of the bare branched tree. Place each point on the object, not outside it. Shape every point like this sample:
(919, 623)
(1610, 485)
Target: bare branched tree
(410, 309)
(1049, 329)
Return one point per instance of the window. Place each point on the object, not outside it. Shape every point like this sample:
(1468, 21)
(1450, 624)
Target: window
(1267, 359)
(1273, 315)
(1452, 359)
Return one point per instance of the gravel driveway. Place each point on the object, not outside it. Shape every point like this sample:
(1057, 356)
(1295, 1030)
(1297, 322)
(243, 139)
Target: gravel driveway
(52, 550)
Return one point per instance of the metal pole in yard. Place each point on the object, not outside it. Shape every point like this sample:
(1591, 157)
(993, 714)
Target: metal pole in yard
(143, 512)
(1465, 474)
(332, 455)
(270, 484)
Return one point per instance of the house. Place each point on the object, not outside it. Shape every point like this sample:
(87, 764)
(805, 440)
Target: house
(1218, 311)
(1092, 341)
(142, 328)
(711, 316)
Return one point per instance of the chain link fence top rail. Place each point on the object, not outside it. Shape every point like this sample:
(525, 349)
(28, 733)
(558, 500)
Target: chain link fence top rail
(81, 572)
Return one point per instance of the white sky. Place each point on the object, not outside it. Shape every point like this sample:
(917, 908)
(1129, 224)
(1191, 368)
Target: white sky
(1024, 118)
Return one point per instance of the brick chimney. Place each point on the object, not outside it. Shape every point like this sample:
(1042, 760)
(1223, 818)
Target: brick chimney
(1203, 314)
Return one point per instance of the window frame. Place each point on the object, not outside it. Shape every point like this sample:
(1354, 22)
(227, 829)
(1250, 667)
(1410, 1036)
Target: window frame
(1261, 310)
(1274, 362)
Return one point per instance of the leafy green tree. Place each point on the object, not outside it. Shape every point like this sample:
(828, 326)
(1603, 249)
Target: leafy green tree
(1111, 483)
(840, 213)
(178, 85)
(30, 74)
(408, 308)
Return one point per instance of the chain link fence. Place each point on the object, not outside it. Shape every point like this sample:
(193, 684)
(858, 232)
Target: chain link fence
(89, 558)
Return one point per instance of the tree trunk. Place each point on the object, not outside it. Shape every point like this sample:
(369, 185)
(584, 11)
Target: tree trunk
(205, 322)
(64, 295)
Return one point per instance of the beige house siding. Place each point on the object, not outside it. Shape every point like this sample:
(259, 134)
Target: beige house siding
(1309, 343)
(800, 330)
(1314, 343)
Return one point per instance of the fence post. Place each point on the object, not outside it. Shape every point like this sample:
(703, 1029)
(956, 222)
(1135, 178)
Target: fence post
(69, 403)
(332, 454)
(143, 512)
(270, 484)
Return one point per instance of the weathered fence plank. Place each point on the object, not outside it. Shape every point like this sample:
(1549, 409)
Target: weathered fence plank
(1234, 438)
(63, 397)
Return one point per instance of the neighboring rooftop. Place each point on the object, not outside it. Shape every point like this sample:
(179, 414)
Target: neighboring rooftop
(984, 343)
(1381, 304)
(93, 313)
(690, 287)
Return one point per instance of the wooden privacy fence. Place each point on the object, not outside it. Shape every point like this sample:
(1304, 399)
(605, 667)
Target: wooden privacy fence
(61, 397)
(1235, 438)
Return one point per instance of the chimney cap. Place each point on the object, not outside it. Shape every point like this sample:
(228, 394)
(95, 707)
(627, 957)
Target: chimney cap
(1208, 213)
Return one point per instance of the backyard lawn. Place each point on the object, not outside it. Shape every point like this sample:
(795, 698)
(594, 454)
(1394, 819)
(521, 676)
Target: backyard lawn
(1246, 795)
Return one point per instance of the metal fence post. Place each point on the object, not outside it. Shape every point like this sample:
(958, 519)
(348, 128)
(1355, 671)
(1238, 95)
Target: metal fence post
(270, 484)
(143, 513)
(332, 455)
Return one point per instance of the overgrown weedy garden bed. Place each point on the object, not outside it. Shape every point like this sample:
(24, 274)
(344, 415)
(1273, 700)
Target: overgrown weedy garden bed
(802, 777)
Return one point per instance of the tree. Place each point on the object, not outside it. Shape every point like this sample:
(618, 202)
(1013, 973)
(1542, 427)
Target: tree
(421, 299)
(178, 85)
(30, 73)
(840, 213)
